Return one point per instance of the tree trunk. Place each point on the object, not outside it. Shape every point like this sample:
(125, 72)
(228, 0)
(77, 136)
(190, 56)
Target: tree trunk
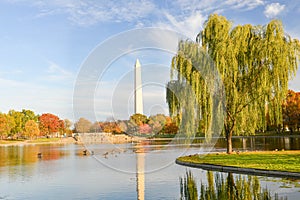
(229, 141)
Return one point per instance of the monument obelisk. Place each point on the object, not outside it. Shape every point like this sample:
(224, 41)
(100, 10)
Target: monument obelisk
(138, 92)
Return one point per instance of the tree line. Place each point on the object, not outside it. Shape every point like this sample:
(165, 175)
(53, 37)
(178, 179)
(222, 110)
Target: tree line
(26, 124)
(137, 124)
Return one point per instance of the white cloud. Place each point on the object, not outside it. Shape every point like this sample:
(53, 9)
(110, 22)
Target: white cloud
(86, 13)
(193, 14)
(55, 73)
(273, 10)
(244, 4)
(213, 5)
(189, 26)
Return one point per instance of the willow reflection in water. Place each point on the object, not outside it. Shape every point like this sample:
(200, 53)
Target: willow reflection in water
(228, 188)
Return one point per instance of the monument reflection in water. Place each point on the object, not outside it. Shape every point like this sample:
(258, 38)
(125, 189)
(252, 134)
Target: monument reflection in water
(140, 175)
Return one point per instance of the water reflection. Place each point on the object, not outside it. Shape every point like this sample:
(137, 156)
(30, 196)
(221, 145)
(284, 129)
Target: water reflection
(219, 187)
(140, 175)
(64, 173)
(252, 143)
(28, 154)
(20, 161)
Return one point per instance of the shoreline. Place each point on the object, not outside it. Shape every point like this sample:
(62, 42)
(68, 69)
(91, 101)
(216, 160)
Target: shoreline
(4, 143)
(240, 170)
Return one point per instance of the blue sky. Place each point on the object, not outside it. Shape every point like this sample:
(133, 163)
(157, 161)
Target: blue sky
(45, 43)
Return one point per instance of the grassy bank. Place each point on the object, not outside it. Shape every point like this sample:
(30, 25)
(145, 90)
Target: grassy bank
(44, 140)
(10, 141)
(36, 141)
(280, 160)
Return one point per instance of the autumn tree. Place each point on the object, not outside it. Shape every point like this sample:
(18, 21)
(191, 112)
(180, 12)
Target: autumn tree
(157, 122)
(170, 128)
(291, 111)
(28, 115)
(61, 127)
(20, 118)
(6, 124)
(31, 129)
(156, 126)
(83, 125)
(105, 126)
(122, 124)
(162, 124)
(254, 63)
(138, 119)
(115, 127)
(49, 124)
(136, 122)
(3, 126)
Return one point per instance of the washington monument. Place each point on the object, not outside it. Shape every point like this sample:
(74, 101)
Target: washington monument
(138, 92)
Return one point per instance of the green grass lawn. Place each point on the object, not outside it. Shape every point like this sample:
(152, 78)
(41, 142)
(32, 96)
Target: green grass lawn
(10, 141)
(271, 160)
(38, 140)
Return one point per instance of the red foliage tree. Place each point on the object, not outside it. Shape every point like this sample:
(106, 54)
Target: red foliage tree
(49, 124)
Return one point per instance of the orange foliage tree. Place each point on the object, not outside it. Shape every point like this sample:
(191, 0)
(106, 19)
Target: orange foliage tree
(291, 111)
(110, 127)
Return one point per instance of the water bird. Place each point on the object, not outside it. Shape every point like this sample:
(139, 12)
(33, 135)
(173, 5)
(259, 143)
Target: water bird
(105, 154)
(39, 155)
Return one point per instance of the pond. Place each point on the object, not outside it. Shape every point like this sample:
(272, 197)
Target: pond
(133, 171)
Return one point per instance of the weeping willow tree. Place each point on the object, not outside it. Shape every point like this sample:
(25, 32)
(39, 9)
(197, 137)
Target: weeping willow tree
(194, 94)
(254, 63)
